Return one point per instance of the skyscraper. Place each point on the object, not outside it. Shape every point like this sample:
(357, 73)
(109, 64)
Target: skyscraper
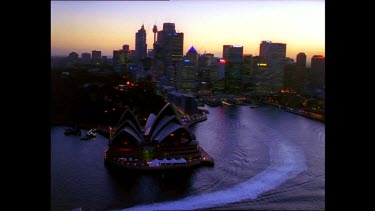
(233, 68)
(290, 77)
(261, 74)
(104, 60)
(301, 59)
(246, 72)
(192, 55)
(186, 77)
(298, 77)
(187, 70)
(208, 72)
(274, 54)
(155, 31)
(96, 57)
(318, 62)
(225, 51)
(140, 44)
(170, 43)
(125, 48)
(86, 58)
(169, 50)
(116, 57)
(318, 71)
(73, 58)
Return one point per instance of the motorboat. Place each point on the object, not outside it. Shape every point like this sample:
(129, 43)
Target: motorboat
(89, 134)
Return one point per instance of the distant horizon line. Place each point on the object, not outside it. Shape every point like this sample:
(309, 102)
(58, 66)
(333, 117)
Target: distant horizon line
(80, 55)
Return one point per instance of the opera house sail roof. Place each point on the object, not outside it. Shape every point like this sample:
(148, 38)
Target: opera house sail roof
(164, 140)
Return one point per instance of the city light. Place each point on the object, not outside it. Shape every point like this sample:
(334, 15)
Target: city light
(190, 85)
(262, 64)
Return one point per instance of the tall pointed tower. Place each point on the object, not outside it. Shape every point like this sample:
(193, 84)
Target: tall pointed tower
(155, 30)
(140, 44)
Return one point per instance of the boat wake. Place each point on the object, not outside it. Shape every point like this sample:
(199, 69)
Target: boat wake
(286, 162)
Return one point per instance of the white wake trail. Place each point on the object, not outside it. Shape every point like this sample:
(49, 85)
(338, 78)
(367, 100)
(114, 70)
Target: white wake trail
(286, 162)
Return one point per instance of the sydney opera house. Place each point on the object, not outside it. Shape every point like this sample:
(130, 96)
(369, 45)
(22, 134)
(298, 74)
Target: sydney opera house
(164, 142)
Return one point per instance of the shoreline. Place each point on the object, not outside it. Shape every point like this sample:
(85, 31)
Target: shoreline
(298, 111)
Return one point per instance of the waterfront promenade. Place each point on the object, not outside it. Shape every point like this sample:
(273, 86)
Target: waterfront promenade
(309, 113)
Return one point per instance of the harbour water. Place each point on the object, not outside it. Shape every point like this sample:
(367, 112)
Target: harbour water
(265, 158)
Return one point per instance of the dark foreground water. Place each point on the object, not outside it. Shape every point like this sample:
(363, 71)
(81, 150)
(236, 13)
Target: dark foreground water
(265, 159)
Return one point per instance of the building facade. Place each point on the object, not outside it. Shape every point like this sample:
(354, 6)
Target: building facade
(318, 72)
(169, 52)
(301, 59)
(274, 55)
(233, 69)
(140, 44)
(96, 57)
(261, 74)
(125, 48)
(225, 51)
(188, 67)
(73, 58)
(86, 58)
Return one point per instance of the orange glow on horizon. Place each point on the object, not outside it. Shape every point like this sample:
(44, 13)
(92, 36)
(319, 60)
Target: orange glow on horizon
(95, 25)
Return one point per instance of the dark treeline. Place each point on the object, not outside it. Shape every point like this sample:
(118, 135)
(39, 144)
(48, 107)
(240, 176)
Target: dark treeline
(89, 98)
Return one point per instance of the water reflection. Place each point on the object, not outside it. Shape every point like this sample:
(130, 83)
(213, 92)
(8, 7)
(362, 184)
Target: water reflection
(244, 142)
(148, 187)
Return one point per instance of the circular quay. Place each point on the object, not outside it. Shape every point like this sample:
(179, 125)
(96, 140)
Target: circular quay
(187, 105)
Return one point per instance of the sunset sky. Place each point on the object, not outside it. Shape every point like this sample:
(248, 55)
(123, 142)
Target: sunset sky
(84, 26)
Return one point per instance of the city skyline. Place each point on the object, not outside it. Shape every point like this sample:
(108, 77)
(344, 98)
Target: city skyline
(207, 25)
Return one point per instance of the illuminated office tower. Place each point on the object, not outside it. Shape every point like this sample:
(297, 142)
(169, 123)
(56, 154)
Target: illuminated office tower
(186, 79)
(233, 66)
(274, 54)
(169, 50)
